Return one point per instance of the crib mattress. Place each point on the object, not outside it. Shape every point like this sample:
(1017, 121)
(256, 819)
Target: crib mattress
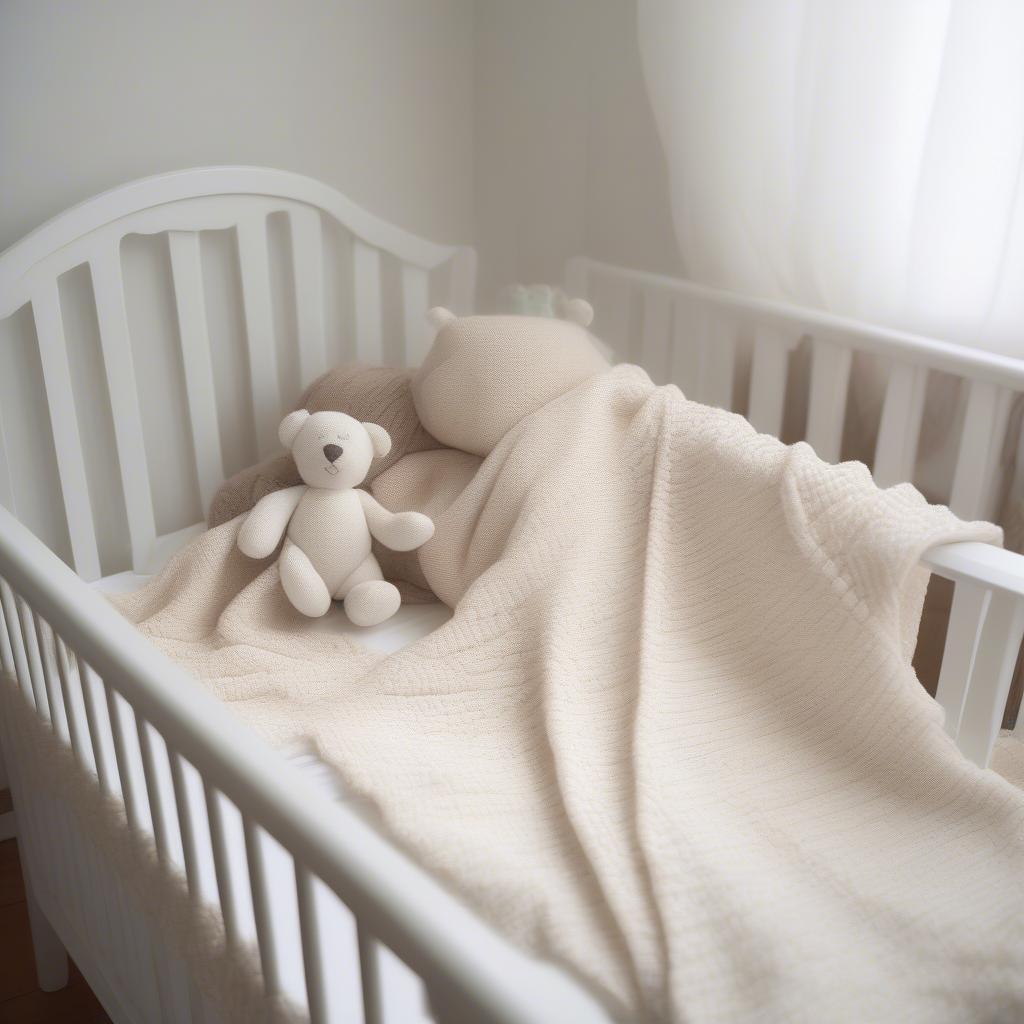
(404, 994)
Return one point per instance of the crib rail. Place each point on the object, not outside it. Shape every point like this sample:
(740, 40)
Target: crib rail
(60, 645)
(983, 639)
(182, 207)
(692, 335)
(695, 336)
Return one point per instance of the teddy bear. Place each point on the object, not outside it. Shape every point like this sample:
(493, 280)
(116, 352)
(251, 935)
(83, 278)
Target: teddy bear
(328, 521)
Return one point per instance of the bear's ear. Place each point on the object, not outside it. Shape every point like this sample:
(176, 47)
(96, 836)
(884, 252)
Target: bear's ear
(439, 316)
(290, 427)
(579, 311)
(380, 439)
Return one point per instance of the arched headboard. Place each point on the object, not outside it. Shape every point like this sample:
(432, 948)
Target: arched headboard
(119, 341)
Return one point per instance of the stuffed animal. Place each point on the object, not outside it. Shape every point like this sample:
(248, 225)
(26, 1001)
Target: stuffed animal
(328, 521)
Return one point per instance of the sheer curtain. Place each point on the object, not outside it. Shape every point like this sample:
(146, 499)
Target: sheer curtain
(861, 156)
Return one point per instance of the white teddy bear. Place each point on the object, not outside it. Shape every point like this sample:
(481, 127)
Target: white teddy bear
(329, 521)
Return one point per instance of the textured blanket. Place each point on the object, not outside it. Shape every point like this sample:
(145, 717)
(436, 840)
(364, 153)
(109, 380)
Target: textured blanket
(671, 736)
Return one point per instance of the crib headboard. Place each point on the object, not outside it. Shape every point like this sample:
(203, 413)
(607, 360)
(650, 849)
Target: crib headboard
(740, 353)
(151, 338)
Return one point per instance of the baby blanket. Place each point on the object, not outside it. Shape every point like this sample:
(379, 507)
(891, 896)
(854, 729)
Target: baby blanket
(671, 737)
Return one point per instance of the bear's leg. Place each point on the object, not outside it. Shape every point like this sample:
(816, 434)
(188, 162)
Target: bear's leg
(369, 598)
(302, 583)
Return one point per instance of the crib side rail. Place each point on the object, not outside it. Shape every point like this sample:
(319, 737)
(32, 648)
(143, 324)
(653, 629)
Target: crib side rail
(692, 335)
(51, 622)
(983, 641)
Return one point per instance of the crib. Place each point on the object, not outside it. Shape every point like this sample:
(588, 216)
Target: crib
(337, 923)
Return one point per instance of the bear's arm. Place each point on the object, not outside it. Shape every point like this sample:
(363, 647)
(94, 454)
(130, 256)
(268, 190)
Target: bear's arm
(264, 526)
(400, 531)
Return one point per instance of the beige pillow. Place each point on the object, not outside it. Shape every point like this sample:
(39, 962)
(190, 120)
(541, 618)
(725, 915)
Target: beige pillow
(486, 373)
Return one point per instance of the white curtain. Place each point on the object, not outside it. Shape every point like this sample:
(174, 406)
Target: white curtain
(860, 156)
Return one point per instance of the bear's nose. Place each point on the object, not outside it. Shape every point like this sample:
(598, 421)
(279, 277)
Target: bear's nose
(333, 452)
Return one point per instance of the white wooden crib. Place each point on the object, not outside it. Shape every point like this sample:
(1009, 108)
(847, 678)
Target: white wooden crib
(260, 839)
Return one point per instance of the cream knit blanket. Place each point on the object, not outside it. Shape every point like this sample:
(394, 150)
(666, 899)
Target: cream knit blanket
(671, 737)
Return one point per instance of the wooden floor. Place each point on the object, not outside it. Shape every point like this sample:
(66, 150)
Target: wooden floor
(21, 1001)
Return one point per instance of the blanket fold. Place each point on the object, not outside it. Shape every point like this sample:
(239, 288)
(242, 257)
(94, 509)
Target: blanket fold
(671, 737)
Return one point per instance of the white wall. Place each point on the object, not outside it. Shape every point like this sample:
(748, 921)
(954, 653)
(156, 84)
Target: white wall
(520, 125)
(568, 157)
(375, 98)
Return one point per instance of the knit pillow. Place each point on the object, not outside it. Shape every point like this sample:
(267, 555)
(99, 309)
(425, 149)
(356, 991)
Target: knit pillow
(484, 374)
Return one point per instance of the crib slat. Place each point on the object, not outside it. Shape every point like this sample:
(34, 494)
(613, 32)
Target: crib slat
(112, 314)
(965, 619)
(980, 442)
(366, 270)
(265, 936)
(254, 265)
(19, 653)
(74, 728)
(97, 916)
(656, 353)
(312, 951)
(126, 953)
(768, 380)
(370, 974)
(687, 348)
(994, 662)
(104, 905)
(101, 927)
(576, 280)
(168, 990)
(222, 866)
(830, 380)
(719, 364)
(462, 287)
(197, 1005)
(104, 769)
(186, 823)
(76, 895)
(121, 756)
(35, 667)
(42, 858)
(308, 279)
(51, 960)
(60, 402)
(900, 426)
(144, 980)
(614, 329)
(6, 643)
(51, 683)
(189, 295)
(415, 300)
(157, 811)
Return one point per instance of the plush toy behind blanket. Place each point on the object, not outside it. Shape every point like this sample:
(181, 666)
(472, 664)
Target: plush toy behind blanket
(329, 520)
(485, 374)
